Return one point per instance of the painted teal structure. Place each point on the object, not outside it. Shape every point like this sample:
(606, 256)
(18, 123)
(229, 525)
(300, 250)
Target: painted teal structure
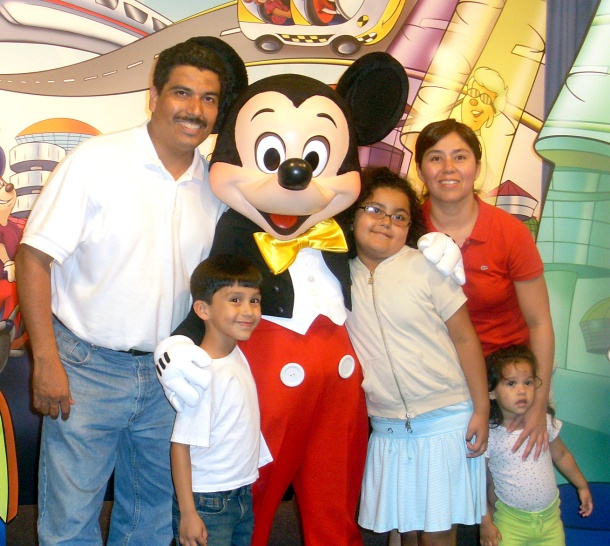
(574, 241)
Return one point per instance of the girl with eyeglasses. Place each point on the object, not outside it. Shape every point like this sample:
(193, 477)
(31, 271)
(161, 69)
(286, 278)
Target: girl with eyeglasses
(424, 374)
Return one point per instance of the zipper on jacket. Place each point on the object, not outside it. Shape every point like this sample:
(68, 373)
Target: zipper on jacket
(371, 282)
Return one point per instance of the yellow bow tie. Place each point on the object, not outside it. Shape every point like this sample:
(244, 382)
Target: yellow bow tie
(279, 255)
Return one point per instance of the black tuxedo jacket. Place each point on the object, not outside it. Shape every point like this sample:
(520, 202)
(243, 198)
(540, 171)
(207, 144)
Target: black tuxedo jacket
(234, 235)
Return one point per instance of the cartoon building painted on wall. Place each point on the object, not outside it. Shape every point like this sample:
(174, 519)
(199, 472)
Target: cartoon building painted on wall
(574, 237)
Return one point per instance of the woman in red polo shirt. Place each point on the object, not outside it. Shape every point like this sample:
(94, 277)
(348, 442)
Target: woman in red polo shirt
(507, 295)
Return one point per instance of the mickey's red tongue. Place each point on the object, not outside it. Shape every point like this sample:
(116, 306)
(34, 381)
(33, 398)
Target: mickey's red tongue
(284, 222)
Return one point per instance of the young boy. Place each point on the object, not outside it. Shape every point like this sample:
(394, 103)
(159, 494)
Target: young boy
(217, 447)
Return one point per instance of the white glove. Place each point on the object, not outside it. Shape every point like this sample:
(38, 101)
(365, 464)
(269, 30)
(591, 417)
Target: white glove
(441, 250)
(9, 269)
(180, 366)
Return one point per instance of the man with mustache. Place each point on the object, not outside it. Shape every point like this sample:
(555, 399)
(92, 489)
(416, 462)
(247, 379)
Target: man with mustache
(102, 273)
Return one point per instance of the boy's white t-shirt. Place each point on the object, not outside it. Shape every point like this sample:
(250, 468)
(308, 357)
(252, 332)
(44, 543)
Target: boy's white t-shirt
(223, 430)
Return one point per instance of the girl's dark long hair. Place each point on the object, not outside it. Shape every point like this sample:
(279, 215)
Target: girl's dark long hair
(496, 363)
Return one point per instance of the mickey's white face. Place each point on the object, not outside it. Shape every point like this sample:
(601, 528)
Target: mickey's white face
(287, 198)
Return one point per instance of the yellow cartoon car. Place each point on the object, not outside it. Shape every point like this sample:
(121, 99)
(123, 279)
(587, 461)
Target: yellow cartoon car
(344, 25)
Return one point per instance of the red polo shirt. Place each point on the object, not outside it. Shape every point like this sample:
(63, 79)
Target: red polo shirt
(499, 251)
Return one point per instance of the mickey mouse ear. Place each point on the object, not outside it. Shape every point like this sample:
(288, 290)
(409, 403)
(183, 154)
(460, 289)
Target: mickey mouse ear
(376, 89)
(237, 76)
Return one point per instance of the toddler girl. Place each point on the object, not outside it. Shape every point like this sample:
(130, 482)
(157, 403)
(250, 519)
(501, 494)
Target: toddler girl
(526, 509)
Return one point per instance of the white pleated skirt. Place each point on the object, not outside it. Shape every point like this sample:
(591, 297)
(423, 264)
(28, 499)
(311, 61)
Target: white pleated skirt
(422, 480)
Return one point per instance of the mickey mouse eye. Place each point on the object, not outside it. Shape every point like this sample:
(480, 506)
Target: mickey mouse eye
(316, 154)
(270, 153)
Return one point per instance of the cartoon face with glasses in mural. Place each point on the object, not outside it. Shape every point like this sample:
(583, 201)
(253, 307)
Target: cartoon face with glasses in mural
(485, 99)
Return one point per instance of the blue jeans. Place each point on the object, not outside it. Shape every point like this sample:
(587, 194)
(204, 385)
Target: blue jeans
(227, 515)
(121, 422)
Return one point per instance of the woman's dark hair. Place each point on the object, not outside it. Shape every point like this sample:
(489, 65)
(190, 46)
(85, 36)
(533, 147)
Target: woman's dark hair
(381, 177)
(433, 132)
(496, 363)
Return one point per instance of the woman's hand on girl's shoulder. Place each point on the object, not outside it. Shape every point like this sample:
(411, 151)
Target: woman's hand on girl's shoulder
(534, 431)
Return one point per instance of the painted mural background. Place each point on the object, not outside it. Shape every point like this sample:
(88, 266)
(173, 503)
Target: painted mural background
(71, 70)
(574, 242)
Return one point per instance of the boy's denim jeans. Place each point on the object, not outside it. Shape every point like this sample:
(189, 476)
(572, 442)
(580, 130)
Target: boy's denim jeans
(120, 421)
(227, 516)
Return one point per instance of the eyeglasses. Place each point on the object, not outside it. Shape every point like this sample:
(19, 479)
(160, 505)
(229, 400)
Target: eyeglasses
(485, 98)
(400, 220)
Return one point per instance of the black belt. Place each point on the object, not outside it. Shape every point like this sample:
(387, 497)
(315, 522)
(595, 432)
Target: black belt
(136, 352)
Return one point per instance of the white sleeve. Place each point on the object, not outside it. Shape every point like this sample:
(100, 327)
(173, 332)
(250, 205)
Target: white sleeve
(58, 220)
(193, 426)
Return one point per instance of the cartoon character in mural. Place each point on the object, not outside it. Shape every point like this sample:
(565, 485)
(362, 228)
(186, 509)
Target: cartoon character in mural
(8, 455)
(485, 99)
(12, 336)
(10, 231)
(324, 12)
(286, 162)
(273, 11)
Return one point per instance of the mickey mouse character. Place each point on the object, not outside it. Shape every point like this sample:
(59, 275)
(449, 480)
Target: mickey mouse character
(286, 162)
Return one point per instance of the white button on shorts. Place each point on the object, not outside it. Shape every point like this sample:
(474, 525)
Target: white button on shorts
(292, 374)
(347, 365)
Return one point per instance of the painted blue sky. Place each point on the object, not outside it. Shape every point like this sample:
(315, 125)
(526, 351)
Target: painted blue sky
(179, 10)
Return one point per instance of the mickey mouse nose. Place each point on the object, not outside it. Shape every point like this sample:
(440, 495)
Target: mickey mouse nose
(294, 174)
